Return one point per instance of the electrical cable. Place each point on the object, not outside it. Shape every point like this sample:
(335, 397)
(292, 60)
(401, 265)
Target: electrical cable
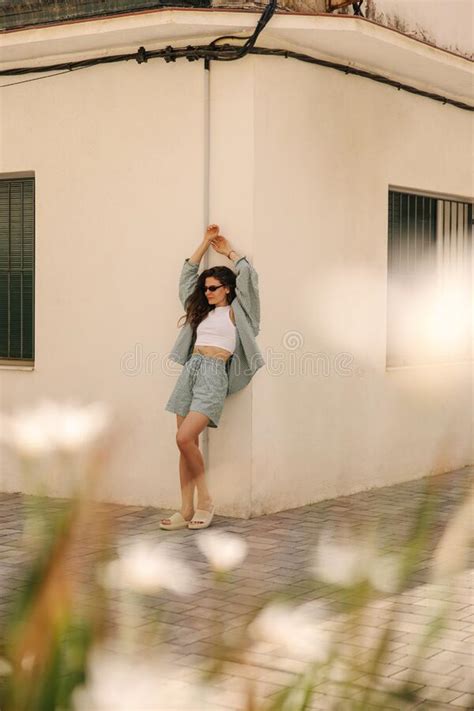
(48, 76)
(225, 53)
(249, 44)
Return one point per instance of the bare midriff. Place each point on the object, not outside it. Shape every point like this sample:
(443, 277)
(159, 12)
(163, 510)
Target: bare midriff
(213, 351)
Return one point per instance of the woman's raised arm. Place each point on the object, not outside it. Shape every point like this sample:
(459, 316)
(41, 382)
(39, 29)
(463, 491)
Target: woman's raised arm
(189, 272)
(247, 293)
(211, 232)
(246, 282)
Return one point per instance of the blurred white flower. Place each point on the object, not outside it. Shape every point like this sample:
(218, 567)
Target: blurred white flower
(5, 667)
(385, 572)
(293, 628)
(50, 426)
(119, 682)
(224, 551)
(28, 661)
(147, 568)
(122, 683)
(347, 564)
(341, 564)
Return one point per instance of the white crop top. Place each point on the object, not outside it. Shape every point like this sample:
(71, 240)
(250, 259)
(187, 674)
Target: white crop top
(217, 329)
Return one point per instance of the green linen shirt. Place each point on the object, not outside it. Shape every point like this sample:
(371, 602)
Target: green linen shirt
(247, 358)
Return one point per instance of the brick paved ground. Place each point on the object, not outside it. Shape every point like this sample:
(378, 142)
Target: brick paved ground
(280, 546)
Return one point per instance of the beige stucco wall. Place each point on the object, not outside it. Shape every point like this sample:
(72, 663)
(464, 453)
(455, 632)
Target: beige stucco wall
(321, 221)
(300, 161)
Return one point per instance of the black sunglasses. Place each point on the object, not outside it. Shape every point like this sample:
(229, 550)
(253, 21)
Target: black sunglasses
(211, 288)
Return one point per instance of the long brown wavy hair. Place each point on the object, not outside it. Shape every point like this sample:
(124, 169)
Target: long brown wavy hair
(197, 305)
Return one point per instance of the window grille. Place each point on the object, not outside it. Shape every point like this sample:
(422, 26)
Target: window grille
(429, 289)
(17, 270)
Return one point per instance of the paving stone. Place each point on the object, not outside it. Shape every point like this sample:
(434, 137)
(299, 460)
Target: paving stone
(432, 693)
(281, 547)
(431, 664)
(464, 701)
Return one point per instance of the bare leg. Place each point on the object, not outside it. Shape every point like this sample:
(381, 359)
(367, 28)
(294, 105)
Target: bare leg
(186, 481)
(192, 425)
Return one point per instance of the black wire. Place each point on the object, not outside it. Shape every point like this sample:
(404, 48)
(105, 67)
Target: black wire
(225, 53)
(170, 54)
(251, 39)
(48, 76)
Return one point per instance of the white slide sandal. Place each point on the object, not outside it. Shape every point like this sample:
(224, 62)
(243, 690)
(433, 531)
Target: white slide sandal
(176, 521)
(202, 515)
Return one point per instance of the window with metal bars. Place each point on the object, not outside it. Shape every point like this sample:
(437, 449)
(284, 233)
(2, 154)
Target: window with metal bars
(26, 13)
(17, 260)
(429, 288)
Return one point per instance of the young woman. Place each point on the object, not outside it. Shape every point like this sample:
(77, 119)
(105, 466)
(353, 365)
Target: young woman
(219, 353)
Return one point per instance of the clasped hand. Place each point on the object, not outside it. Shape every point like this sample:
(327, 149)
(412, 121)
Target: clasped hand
(219, 242)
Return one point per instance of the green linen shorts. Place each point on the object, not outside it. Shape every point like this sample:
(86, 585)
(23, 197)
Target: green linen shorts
(202, 387)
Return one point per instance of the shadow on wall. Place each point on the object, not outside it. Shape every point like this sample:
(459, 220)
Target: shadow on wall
(399, 21)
